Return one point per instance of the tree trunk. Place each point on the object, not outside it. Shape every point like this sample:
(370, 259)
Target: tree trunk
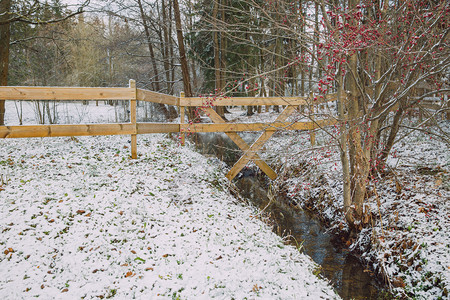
(217, 63)
(165, 47)
(155, 82)
(358, 161)
(5, 6)
(343, 149)
(391, 138)
(183, 59)
(150, 47)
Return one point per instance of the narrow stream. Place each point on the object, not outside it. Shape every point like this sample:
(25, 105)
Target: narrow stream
(349, 277)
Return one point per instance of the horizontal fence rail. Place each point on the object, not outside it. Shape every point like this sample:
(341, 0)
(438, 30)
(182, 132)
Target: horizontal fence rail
(26, 131)
(254, 101)
(133, 128)
(149, 96)
(65, 93)
(240, 127)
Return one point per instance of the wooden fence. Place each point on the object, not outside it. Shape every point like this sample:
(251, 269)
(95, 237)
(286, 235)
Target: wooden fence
(134, 128)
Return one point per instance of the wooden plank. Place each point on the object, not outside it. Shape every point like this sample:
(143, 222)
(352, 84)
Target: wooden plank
(133, 101)
(149, 96)
(65, 93)
(144, 128)
(243, 145)
(238, 101)
(257, 145)
(182, 117)
(254, 101)
(239, 127)
(25, 131)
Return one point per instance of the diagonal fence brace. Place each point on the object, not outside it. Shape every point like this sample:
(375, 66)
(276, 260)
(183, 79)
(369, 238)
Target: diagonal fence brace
(251, 154)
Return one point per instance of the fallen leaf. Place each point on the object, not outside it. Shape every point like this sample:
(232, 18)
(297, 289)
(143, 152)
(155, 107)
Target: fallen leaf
(80, 211)
(438, 182)
(132, 251)
(64, 290)
(148, 269)
(398, 282)
(129, 274)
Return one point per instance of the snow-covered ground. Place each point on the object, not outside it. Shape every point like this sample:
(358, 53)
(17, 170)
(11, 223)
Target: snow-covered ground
(79, 219)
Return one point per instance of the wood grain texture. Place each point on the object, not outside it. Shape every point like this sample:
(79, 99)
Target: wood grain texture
(144, 128)
(215, 117)
(149, 96)
(257, 145)
(255, 101)
(132, 85)
(26, 131)
(65, 93)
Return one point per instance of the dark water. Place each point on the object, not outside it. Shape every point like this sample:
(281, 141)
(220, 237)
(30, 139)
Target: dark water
(350, 278)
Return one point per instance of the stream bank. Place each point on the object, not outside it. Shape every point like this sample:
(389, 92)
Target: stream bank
(300, 228)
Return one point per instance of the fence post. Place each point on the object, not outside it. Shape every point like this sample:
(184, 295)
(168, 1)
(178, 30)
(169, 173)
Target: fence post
(312, 134)
(182, 135)
(132, 85)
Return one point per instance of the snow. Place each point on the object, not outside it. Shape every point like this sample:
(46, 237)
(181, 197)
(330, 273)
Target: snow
(409, 239)
(80, 219)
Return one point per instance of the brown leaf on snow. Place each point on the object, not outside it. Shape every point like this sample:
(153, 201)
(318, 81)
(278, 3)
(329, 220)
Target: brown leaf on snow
(398, 187)
(398, 282)
(129, 274)
(438, 182)
(132, 251)
(64, 290)
(148, 269)
(256, 288)
(81, 211)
